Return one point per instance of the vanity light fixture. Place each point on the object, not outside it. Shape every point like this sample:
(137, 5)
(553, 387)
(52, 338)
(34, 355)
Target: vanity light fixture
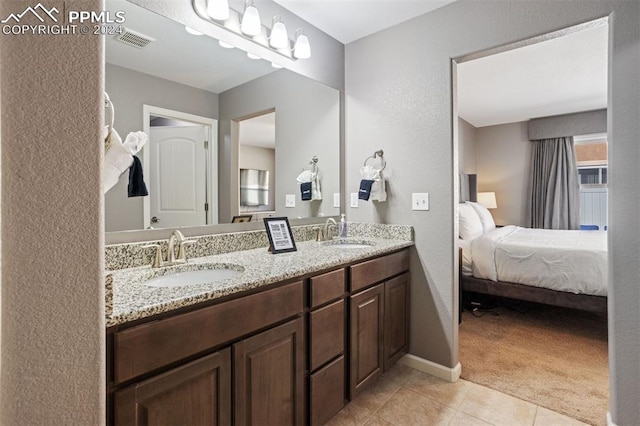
(250, 24)
(252, 56)
(225, 44)
(247, 25)
(218, 9)
(276, 66)
(279, 39)
(192, 31)
(301, 48)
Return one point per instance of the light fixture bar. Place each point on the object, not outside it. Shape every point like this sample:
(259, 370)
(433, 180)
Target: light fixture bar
(200, 7)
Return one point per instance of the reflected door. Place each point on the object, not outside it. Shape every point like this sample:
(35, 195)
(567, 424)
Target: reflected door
(178, 170)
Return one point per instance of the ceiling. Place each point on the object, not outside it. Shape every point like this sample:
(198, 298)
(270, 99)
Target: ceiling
(559, 76)
(350, 20)
(258, 131)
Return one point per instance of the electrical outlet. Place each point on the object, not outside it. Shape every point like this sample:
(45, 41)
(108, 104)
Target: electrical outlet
(336, 199)
(420, 201)
(290, 200)
(354, 200)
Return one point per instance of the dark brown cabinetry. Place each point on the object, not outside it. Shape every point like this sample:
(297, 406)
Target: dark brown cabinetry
(198, 393)
(269, 377)
(292, 354)
(378, 318)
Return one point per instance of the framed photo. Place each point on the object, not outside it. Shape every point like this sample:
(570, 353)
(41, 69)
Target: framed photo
(241, 218)
(279, 233)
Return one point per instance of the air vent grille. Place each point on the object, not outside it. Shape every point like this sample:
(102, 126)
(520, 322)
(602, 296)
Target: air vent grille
(134, 38)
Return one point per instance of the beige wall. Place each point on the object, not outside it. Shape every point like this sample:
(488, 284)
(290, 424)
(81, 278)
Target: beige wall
(52, 231)
(503, 158)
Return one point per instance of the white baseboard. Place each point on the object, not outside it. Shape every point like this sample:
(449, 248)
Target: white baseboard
(609, 420)
(445, 373)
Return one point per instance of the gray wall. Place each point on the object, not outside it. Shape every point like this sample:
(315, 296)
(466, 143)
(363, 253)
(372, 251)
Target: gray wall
(53, 343)
(398, 97)
(307, 124)
(504, 164)
(129, 90)
(254, 157)
(467, 136)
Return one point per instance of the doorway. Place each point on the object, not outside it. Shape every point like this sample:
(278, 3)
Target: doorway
(180, 163)
(499, 152)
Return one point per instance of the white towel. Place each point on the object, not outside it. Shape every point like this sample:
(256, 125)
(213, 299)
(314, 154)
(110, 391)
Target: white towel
(378, 189)
(309, 176)
(119, 157)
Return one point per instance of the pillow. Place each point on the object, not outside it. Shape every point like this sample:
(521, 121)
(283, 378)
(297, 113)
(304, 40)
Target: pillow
(485, 216)
(468, 222)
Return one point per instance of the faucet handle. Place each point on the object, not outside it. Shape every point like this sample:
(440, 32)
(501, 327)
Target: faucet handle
(319, 233)
(182, 255)
(157, 261)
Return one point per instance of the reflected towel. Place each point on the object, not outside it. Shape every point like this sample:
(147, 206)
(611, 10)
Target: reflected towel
(136, 187)
(305, 191)
(116, 160)
(365, 189)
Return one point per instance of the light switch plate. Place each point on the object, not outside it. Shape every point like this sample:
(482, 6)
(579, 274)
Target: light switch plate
(336, 199)
(290, 200)
(354, 199)
(420, 201)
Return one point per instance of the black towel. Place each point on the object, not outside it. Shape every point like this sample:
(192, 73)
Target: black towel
(365, 189)
(136, 187)
(305, 191)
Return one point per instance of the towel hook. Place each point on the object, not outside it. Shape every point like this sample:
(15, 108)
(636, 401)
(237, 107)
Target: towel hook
(109, 105)
(378, 153)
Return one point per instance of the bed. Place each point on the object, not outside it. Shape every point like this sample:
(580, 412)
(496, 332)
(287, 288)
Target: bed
(554, 267)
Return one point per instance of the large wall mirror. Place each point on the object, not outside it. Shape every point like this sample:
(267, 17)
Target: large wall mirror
(185, 89)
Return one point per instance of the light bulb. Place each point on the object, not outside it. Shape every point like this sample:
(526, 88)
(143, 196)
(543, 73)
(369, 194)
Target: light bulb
(302, 48)
(276, 66)
(192, 31)
(225, 44)
(279, 38)
(218, 9)
(252, 56)
(250, 24)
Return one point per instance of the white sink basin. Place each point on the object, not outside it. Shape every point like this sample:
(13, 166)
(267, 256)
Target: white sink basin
(201, 276)
(348, 244)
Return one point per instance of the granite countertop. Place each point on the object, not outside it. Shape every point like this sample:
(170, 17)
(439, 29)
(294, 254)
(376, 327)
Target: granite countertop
(128, 298)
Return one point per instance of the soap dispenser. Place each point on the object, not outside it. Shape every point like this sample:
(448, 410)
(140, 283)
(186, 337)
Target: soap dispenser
(342, 229)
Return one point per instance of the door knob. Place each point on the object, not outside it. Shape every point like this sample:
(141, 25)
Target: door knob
(155, 220)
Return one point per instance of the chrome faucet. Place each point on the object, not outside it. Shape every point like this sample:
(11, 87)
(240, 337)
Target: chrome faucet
(176, 242)
(327, 226)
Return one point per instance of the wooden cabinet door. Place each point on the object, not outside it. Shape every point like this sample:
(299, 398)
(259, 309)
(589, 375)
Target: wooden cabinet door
(197, 393)
(396, 321)
(269, 377)
(366, 315)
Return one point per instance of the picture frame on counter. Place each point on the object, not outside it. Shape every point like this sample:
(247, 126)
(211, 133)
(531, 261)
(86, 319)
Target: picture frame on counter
(279, 234)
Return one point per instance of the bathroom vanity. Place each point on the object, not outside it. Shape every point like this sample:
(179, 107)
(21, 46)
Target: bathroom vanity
(287, 351)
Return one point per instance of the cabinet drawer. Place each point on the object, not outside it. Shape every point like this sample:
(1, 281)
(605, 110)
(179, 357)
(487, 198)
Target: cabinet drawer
(150, 346)
(376, 270)
(326, 329)
(326, 287)
(327, 394)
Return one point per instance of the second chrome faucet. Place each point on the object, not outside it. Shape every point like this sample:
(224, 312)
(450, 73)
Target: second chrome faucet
(176, 243)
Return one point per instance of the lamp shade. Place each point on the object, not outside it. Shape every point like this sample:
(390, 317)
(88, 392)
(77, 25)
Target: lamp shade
(302, 48)
(218, 9)
(279, 38)
(488, 199)
(250, 24)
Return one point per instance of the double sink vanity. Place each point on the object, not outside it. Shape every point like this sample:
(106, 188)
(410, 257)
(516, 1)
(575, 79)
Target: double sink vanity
(237, 335)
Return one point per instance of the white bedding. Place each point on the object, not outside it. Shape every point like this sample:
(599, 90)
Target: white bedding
(570, 261)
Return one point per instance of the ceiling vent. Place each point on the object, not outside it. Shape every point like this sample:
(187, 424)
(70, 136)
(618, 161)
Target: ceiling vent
(134, 38)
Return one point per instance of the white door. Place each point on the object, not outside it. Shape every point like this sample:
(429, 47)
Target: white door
(178, 175)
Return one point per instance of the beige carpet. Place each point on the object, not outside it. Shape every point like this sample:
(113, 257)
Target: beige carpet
(552, 357)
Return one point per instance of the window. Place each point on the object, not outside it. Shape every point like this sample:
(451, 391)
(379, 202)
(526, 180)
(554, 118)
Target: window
(592, 175)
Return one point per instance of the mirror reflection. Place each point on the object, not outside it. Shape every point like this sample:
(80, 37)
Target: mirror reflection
(211, 112)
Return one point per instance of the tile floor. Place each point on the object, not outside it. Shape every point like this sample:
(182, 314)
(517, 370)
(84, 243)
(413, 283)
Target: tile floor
(405, 396)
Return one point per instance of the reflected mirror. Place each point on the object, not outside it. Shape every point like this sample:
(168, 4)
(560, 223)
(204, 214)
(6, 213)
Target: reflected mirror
(211, 112)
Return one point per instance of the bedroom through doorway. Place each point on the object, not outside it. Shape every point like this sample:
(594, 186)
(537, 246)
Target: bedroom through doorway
(530, 151)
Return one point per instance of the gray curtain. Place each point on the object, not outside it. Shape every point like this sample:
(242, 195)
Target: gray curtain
(554, 189)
